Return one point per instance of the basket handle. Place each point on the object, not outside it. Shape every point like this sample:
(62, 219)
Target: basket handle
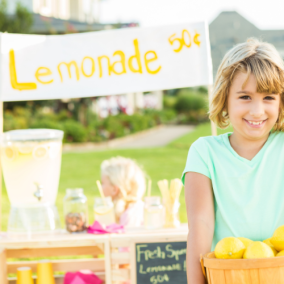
(202, 266)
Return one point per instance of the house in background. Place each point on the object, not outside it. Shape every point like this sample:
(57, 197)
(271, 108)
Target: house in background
(230, 28)
(78, 10)
(65, 16)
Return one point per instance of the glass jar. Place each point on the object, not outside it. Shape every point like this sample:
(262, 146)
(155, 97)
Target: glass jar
(172, 214)
(104, 211)
(75, 209)
(153, 213)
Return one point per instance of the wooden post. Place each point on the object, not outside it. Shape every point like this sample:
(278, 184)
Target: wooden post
(213, 125)
(1, 131)
(108, 267)
(133, 263)
(3, 267)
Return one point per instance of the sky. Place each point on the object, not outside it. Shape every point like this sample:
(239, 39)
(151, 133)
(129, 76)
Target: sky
(265, 14)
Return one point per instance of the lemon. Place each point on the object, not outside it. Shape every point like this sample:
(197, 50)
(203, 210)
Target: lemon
(281, 253)
(278, 243)
(230, 248)
(277, 239)
(25, 147)
(10, 152)
(102, 210)
(245, 241)
(258, 250)
(267, 241)
(40, 152)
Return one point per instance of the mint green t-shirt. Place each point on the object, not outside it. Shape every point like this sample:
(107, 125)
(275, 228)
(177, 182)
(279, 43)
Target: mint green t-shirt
(248, 195)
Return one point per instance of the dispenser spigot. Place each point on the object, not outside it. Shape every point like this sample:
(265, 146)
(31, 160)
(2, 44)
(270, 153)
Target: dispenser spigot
(39, 191)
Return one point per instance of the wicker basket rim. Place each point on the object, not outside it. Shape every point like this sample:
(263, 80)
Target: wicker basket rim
(210, 261)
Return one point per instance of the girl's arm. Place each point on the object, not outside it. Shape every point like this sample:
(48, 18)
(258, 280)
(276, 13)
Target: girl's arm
(200, 214)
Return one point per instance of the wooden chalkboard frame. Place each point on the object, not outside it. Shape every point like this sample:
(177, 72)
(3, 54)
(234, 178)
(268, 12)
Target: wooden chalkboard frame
(157, 239)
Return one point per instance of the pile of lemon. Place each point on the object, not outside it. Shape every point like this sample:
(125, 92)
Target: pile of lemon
(234, 248)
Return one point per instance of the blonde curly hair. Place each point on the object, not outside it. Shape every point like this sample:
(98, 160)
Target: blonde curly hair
(128, 177)
(251, 57)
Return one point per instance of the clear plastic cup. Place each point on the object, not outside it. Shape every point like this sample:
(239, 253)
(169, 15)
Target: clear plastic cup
(104, 212)
(154, 213)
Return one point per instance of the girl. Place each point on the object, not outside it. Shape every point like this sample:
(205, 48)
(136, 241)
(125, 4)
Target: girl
(124, 181)
(234, 185)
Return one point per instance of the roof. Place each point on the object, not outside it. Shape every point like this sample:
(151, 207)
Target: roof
(230, 28)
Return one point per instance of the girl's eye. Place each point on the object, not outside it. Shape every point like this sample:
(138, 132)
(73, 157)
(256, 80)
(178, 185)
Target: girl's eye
(245, 97)
(269, 98)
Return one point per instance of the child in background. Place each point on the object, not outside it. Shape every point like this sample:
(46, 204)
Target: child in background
(234, 182)
(124, 181)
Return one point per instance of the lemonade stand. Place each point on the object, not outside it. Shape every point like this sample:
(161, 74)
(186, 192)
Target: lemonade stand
(37, 67)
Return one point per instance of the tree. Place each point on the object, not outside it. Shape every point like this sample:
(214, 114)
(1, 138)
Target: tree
(21, 22)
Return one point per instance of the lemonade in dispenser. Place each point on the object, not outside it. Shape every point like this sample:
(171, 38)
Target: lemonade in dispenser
(31, 161)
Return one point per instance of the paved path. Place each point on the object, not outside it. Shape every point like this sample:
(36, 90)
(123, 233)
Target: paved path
(155, 137)
(161, 137)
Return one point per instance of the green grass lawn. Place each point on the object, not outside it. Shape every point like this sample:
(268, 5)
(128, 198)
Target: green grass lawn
(83, 169)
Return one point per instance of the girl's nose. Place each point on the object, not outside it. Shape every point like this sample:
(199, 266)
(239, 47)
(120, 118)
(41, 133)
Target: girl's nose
(257, 109)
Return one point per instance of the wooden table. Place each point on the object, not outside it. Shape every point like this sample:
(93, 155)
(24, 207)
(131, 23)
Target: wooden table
(115, 266)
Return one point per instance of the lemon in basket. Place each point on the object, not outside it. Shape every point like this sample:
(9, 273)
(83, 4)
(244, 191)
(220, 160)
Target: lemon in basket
(246, 241)
(281, 253)
(230, 248)
(258, 250)
(277, 239)
(267, 241)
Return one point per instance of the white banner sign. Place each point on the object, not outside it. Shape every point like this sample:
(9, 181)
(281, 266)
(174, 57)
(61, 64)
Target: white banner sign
(36, 67)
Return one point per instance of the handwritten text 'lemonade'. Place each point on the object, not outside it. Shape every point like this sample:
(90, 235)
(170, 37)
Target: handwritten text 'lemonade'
(117, 64)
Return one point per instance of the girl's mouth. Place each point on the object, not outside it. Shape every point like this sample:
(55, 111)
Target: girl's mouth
(255, 123)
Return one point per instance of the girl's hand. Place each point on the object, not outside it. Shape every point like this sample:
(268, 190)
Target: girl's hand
(201, 221)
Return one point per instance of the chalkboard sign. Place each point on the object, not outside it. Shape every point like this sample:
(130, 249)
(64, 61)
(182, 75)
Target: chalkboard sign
(161, 263)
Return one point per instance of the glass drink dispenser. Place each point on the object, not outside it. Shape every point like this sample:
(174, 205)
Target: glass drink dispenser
(31, 161)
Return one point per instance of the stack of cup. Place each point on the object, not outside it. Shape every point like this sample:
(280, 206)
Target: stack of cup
(24, 275)
(45, 272)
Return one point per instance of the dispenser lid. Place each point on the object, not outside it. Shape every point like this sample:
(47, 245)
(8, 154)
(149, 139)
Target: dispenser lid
(32, 135)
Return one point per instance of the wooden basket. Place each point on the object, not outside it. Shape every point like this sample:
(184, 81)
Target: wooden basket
(243, 271)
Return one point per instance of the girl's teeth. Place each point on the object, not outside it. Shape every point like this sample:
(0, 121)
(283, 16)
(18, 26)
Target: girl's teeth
(255, 123)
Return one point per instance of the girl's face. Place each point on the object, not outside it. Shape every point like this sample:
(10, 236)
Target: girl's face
(108, 188)
(252, 114)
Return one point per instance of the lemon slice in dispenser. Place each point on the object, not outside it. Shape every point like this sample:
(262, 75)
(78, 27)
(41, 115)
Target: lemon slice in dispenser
(40, 152)
(102, 210)
(25, 148)
(10, 152)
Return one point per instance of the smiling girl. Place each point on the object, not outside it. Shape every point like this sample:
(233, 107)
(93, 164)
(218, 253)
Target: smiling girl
(234, 183)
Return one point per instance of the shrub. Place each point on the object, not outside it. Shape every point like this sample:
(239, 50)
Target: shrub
(169, 102)
(11, 122)
(114, 127)
(61, 116)
(186, 103)
(97, 129)
(74, 131)
(202, 89)
(167, 115)
(46, 123)
(18, 119)
(140, 122)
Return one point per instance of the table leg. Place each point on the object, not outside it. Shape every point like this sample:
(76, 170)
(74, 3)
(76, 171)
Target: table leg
(3, 267)
(107, 263)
